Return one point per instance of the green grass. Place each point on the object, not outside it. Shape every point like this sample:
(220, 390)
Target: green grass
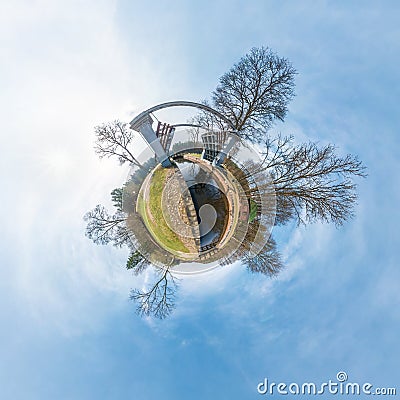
(253, 210)
(156, 222)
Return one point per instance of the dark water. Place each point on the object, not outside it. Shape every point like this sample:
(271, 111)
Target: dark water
(204, 192)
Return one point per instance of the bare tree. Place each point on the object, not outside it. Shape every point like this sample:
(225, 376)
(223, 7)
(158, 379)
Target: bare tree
(114, 139)
(311, 182)
(267, 261)
(159, 300)
(255, 92)
(104, 228)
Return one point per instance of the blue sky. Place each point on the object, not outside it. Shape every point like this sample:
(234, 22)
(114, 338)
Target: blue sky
(68, 330)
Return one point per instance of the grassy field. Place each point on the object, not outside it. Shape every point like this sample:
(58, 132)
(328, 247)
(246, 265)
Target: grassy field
(155, 222)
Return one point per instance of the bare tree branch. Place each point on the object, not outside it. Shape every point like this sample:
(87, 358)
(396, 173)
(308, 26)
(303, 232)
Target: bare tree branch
(267, 261)
(104, 228)
(311, 183)
(159, 300)
(114, 139)
(314, 183)
(209, 121)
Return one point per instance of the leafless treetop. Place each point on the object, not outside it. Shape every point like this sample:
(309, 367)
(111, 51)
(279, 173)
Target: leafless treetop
(255, 92)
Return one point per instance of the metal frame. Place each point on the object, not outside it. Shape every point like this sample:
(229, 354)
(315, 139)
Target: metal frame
(182, 104)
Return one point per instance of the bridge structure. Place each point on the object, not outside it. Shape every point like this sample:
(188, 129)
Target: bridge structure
(216, 145)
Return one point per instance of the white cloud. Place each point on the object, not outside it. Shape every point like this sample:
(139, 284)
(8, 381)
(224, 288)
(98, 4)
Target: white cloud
(64, 71)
